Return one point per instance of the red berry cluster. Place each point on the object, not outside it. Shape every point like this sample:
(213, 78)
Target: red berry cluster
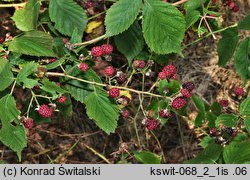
(105, 49)
(139, 64)
(181, 100)
(83, 67)
(224, 103)
(125, 114)
(29, 123)
(114, 92)
(231, 5)
(151, 124)
(62, 99)
(239, 91)
(110, 71)
(168, 72)
(1, 40)
(121, 78)
(45, 111)
(165, 113)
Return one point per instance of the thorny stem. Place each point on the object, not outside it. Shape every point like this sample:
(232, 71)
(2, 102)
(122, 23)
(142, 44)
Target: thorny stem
(13, 87)
(104, 85)
(159, 144)
(209, 34)
(179, 2)
(130, 77)
(90, 41)
(30, 104)
(97, 153)
(13, 5)
(204, 17)
(34, 96)
(135, 127)
(65, 153)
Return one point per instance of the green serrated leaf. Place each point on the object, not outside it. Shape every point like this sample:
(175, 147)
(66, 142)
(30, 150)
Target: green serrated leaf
(52, 88)
(228, 120)
(163, 27)
(173, 87)
(216, 108)
(244, 23)
(130, 42)
(102, 111)
(6, 75)
(245, 107)
(55, 64)
(33, 43)
(12, 136)
(242, 59)
(147, 157)
(191, 5)
(59, 47)
(206, 141)
(199, 103)
(237, 153)
(247, 124)
(200, 118)
(22, 76)
(191, 17)
(227, 45)
(121, 15)
(67, 16)
(80, 90)
(26, 19)
(209, 156)
(211, 117)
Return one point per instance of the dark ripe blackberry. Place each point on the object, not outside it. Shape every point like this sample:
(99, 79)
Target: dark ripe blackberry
(189, 86)
(121, 78)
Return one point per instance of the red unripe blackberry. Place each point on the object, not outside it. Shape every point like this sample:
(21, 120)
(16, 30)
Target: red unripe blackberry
(224, 103)
(162, 75)
(45, 111)
(125, 114)
(51, 60)
(165, 113)
(236, 9)
(162, 113)
(121, 78)
(29, 123)
(231, 5)
(65, 40)
(83, 67)
(109, 71)
(169, 70)
(212, 131)
(179, 103)
(151, 124)
(107, 49)
(185, 93)
(1, 40)
(62, 99)
(174, 77)
(239, 91)
(114, 92)
(139, 64)
(189, 86)
(96, 51)
(89, 4)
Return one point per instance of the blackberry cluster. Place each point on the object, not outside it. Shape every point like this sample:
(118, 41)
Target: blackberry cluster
(232, 5)
(224, 135)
